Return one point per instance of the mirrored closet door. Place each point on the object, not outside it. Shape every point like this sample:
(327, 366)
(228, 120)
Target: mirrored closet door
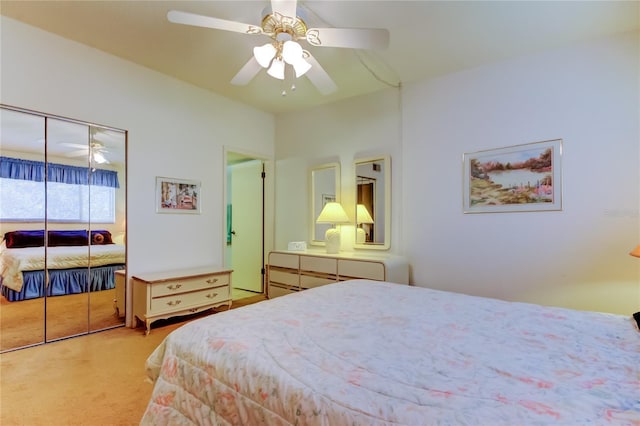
(62, 220)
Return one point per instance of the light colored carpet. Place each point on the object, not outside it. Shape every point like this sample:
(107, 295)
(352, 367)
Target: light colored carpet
(22, 322)
(97, 379)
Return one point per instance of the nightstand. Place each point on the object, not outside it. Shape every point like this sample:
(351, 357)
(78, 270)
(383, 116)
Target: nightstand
(164, 295)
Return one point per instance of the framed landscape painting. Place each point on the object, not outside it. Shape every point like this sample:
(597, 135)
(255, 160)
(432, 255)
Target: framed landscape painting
(177, 195)
(520, 178)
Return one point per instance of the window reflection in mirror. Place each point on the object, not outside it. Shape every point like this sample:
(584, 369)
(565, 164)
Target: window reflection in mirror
(373, 206)
(325, 187)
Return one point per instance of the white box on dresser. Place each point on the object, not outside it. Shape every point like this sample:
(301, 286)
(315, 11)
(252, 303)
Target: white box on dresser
(162, 295)
(290, 271)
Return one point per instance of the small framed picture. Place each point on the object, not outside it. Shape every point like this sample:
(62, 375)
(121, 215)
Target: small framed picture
(177, 195)
(519, 178)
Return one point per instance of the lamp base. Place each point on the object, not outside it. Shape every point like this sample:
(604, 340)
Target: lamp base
(361, 236)
(332, 240)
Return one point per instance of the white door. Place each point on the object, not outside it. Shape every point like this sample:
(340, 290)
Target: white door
(246, 224)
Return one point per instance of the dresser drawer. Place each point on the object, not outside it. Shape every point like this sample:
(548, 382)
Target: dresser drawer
(277, 291)
(186, 300)
(188, 284)
(348, 269)
(284, 260)
(286, 277)
(310, 281)
(318, 264)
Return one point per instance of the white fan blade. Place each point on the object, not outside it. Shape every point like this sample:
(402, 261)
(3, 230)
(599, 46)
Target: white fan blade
(247, 72)
(318, 76)
(354, 38)
(103, 135)
(79, 153)
(284, 7)
(74, 145)
(187, 18)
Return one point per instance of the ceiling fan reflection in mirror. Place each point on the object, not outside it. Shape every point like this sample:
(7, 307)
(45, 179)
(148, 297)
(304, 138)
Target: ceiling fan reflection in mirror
(96, 150)
(283, 56)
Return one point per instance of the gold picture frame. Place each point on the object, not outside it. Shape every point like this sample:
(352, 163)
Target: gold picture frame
(519, 178)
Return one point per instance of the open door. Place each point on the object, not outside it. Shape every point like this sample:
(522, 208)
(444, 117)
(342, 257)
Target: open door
(245, 224)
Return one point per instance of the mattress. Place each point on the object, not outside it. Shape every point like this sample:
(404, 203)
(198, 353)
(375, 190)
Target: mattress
(15, 260)
(373, 353)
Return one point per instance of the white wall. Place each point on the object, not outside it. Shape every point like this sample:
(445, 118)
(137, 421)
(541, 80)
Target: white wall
(342, 132)
(586, 95)
(175, 130)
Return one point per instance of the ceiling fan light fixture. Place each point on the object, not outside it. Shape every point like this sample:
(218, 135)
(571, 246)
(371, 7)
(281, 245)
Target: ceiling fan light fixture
(301, 67)
(264, 54)
(291, 52)
(277, 69)
(99, 158)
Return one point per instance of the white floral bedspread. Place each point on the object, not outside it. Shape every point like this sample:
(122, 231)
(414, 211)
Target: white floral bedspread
(15, 260)
(371, 353)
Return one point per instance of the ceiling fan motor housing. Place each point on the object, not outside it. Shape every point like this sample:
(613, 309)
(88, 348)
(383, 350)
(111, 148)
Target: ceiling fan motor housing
(283, 28)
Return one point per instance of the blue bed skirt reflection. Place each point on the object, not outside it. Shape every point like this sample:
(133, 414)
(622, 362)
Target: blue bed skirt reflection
(64, 281)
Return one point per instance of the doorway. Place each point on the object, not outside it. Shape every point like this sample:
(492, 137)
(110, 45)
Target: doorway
(245, 199)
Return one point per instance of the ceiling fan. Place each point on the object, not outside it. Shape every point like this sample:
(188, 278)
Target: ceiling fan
(282, 22)
(95, 150)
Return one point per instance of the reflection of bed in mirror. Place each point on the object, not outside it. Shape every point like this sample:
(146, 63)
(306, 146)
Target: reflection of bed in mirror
(71, 269)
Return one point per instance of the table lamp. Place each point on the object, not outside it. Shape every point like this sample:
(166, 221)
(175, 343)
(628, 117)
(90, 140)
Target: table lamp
(334, 214)
(362, 216)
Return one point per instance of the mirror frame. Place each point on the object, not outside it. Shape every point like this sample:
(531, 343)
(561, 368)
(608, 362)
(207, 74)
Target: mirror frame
(386, 175)
(313, 238)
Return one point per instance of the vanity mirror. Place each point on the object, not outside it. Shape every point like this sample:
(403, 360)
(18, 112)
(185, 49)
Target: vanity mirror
(373, 202)
(325, 187)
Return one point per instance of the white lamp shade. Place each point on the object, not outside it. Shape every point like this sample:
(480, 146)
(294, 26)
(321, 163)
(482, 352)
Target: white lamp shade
(98, 157)
(277, 69)
(362, 214)
(264, 54)
(332, 212)
(293, 55)
(291, 52)
(301, 67)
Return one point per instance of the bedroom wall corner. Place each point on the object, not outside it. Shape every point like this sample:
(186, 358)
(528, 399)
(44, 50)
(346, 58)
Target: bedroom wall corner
(341, 132)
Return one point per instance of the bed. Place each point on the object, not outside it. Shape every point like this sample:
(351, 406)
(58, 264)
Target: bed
(73, 265)
(364, 352)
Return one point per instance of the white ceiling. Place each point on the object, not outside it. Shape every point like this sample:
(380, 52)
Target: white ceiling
(428, 38)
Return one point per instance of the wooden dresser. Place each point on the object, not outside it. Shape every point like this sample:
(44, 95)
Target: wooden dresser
(164, 295)
(121, 285)
(290, 271)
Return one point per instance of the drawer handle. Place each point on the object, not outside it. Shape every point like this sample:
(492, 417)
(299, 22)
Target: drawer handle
(212, 280)
(174, 302)
(211, 296)
(174, 287)
(193, 310)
